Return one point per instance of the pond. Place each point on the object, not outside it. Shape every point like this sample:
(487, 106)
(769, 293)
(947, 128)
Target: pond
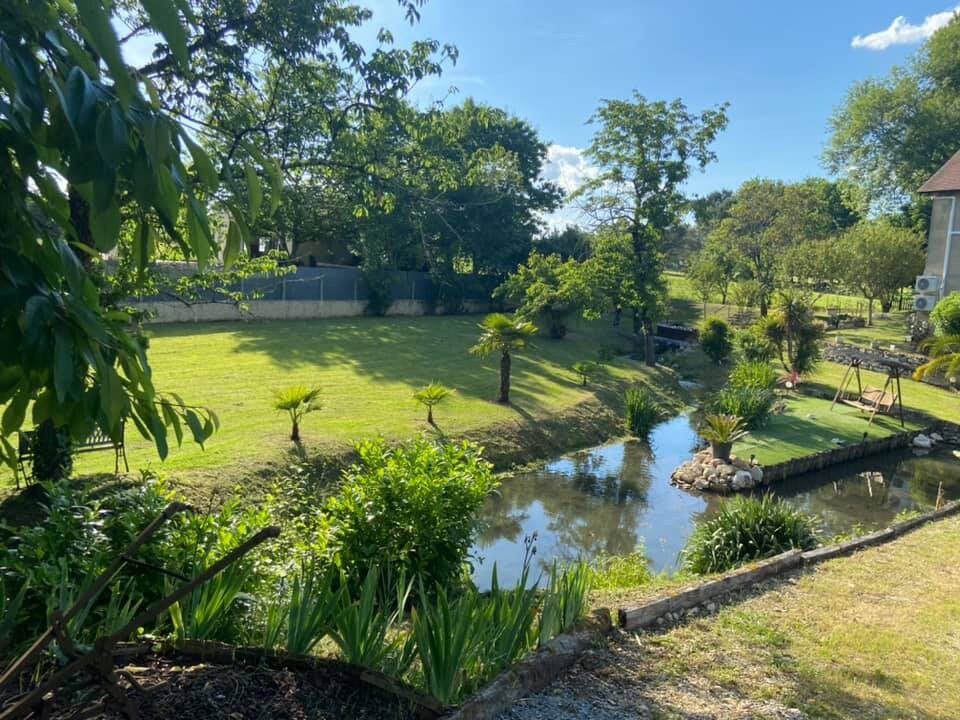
(615, 499)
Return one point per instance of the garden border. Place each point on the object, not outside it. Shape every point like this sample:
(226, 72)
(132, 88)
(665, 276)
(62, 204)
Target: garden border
(690, 597)
(835, 456)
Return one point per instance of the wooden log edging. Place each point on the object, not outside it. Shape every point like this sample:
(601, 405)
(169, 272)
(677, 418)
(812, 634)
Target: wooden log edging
(690, 597)
(834, 456)
(533, 672)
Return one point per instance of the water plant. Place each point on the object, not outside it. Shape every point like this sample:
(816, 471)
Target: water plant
(744, 529)
(431, 395)
(642, 411)
(297, 401)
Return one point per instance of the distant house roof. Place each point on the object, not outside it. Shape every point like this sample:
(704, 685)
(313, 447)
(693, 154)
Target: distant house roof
(946, 179)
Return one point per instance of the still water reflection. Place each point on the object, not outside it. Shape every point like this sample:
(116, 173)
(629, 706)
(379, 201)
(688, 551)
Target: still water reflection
(618, 498)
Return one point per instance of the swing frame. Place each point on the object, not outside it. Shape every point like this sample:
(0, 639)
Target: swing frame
(873, 407)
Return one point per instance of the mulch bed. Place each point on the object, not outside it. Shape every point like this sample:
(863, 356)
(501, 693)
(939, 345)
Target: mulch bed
(181, 689)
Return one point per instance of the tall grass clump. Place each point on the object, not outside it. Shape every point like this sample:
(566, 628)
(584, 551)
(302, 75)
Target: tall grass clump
(745, 529)
(642, 411)
(756, 375)
(565, 600)
(620, 572)
(751, 404)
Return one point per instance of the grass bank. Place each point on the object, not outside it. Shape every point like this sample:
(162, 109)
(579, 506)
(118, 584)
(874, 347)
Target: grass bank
(874, 635)
(368, 369)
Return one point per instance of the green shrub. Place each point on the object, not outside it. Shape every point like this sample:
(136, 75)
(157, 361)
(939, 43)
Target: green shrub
(642, 412)
(754, 375)
(754, 345)
(716, 339)
(430, 395)
(297, 401)
(945, 317)
(722, 429)
(745, 529)
(753, 405)
(413, 507)
(585, 370)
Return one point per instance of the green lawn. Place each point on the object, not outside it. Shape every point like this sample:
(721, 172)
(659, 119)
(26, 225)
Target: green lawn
(809, 425)
(368, 369)
(870, 636)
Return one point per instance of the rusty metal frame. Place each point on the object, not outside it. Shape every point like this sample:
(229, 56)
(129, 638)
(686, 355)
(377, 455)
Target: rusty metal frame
(99, 661)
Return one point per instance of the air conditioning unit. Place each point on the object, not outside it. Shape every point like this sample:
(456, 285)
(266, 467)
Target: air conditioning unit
(924, 302)
(927, 283)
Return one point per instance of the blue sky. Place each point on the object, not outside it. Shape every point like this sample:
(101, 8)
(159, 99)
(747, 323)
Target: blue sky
(782, 66)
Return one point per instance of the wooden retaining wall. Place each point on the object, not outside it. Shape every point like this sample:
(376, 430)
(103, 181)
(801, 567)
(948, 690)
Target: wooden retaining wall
(835, 456)
(649, 613)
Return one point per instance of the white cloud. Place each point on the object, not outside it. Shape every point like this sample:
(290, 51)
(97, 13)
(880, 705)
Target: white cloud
(902, 32)
(567, 167)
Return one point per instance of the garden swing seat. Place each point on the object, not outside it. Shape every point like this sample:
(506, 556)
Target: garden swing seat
(870, 399)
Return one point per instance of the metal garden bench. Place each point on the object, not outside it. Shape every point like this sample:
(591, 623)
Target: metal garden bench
(95, 442)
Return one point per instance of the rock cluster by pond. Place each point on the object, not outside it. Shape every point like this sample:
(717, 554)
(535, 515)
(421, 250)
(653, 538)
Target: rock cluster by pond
(705, 472)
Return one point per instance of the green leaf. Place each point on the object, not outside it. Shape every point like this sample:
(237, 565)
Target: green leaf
(276, 185)
(196, 427)
(112, 140)
(199, 236)
(104, 188)
(144, 245)
(202, 164)
(163, 15)
(105, 226)
(99, 32)
(113, 400)
(15, 412)
(62, 364)
(254, 191)
(80, 104)
(231, 248)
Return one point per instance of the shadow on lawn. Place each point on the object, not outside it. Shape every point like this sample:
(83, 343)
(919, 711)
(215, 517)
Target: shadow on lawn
(414, 351)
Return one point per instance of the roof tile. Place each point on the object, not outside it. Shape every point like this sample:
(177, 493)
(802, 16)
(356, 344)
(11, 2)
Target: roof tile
(946, 179)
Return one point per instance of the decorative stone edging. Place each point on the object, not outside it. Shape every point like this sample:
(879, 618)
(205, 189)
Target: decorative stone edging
(533, 672)
(692, 597)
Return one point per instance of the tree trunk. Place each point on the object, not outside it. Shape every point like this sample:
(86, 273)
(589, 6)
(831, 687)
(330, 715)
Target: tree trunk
(649, 348)
(295, 432)
(869, 312)
(504, 378)
(430, 414)
(763, 305)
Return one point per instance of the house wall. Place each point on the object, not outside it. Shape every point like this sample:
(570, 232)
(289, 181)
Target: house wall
(943, 243)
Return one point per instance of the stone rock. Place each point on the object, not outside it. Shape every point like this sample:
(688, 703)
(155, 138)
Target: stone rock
(922, 441)
(756, 472)
(742, 480)
(726, 470)
(701, 484)
(936, 437)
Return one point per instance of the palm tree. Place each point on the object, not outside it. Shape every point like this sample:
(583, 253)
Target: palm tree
(297, 401)
(944, 356)
(430, 395)
(503, 334)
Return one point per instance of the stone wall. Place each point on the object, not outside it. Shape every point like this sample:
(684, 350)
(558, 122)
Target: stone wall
(166, 311)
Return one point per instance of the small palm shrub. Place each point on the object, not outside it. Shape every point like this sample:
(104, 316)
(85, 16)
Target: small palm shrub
(744, 529)
(722, 431)
(756, 375)
(585, 370)
(430, 395)
(716, 339)
(642, 411)
(945, 317)
(413, 507)
(752, 405)
(297, 401)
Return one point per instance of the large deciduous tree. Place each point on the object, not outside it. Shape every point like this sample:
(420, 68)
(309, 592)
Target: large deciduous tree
(644, 151)
(96, 149)
(891, 133)
(878, 260)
